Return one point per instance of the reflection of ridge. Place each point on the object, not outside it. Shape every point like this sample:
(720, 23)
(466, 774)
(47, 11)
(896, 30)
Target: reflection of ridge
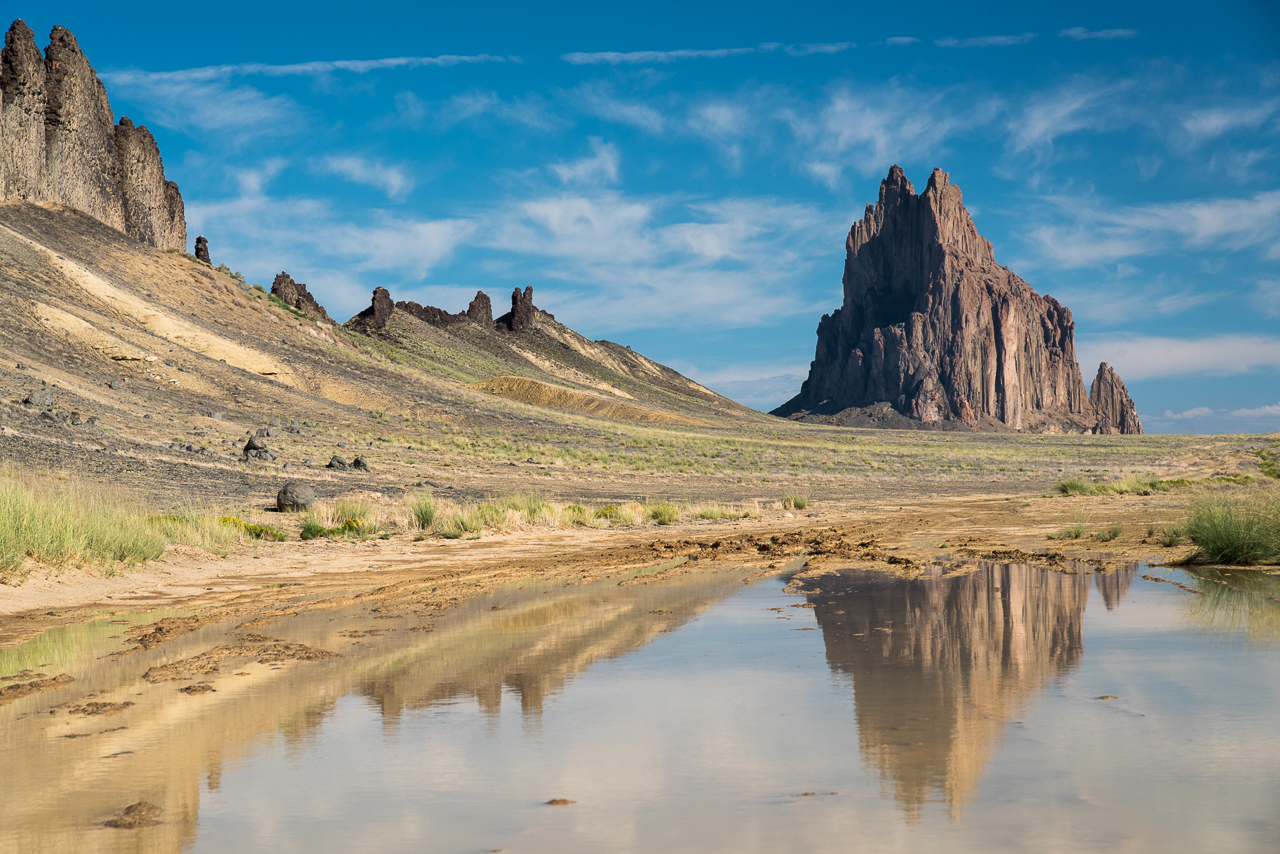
(939, 663)
(538, 645)
(1114, 585)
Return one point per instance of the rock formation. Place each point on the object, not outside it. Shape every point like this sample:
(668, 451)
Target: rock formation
(59, 143)
(1112, 406)
(523, 314)
(375, 317)
(294, 294)
(479, 311)
(202, 250)
(935, 328)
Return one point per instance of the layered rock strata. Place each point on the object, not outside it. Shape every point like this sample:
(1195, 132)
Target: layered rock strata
(59, 143)
(934, 327)
(296, 295)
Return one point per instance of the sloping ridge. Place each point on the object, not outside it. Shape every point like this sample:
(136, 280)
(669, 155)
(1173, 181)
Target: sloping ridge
(558, 397)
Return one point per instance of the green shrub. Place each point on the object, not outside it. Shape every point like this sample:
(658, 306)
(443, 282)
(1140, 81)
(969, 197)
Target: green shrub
(1269, 461)
(1110, 533)
(575, 515)
(490, 516)
(1239, 530)
(663, 514)
(423, 508)
(1074, 531)
(258, 532)
(1076, 486)
(608, 511)
(796, 501)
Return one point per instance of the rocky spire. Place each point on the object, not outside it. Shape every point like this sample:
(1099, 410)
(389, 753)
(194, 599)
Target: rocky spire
(202, 249)
(1112, 406)
(934, 326)
(59, 143)
(296, 295)
(523, 314)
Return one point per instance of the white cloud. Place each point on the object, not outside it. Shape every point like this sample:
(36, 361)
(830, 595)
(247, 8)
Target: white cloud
(631, 263)
(651, 57)
(1140, 357)
(299, 69)
(1081, 34)
(195, 105)
(1198, 412)
(761, 386)
(1258, 412)
(898, 41)
(662, 57)
(869, 128)
(530, 111)
(600, 168)
(1100, 234)
(392, 180)
(1212, 122)
(986, 41)
(597, 99)
(1116, 302)
(1076, 105)
(1266, 297)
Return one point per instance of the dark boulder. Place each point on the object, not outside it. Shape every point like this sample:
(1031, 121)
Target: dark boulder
(359, 464)
(337, 464)
(295, 496)
(202, 250)
(296, 296)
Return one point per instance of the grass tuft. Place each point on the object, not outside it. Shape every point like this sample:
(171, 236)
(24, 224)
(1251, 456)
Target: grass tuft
(1074, 531)
(795, 501)
(423, 508)
(257, 532)
(1110, 533)
(1239, 530)
(663, 514)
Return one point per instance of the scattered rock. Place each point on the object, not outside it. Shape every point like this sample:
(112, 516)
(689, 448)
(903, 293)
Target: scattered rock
(202, 250)
(198, 688)
(41, 397)
(294, 426)
(141, 814)
(359, 464)
(254, 444)
(216, 416)
(295, 496)
(23, 367)
(267, 432)
(338, 464)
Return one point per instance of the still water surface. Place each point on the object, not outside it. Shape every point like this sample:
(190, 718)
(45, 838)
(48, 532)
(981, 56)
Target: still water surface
(944, 713)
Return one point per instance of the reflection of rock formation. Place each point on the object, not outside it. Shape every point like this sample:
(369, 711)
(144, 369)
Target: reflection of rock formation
(1114, 585)
(62, 775)
(938, 664)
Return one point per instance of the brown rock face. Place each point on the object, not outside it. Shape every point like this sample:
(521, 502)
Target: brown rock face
(481, 309)
(932, 325)
(59, 143)
(22, 105)
(1112, 405)
(377, 314)
(148, 197)
(296, 295)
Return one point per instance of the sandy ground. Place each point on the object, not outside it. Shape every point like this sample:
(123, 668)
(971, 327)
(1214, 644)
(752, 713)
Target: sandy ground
(899, 538)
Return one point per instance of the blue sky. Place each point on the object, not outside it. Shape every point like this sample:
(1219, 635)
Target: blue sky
(680, 176)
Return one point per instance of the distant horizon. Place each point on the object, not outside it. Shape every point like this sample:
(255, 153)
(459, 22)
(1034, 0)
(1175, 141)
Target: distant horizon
(680, 179)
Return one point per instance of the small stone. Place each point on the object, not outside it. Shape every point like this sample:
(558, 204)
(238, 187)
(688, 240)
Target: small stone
(359, 464)
(274, 422)
(338, 464)
(23, 367)
(41, 397)
(254, 444)
(216, 416)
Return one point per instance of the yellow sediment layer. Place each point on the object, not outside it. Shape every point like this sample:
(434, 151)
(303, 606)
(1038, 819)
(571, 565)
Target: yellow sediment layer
(558, 397)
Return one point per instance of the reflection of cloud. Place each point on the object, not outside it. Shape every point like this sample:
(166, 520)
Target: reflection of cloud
(1081, 34)
(986, 41)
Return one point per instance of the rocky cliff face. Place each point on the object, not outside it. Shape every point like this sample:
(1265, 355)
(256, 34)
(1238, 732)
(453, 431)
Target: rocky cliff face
(933, 326)
(59, 143)
(296, 295)
(1112, 405)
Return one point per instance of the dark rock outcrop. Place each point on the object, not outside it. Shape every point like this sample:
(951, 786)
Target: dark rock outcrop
(1112, 406)
(481, 309)
(202, 250)
(296, 295)
(59, 143)
(932, 325)
(523, 314)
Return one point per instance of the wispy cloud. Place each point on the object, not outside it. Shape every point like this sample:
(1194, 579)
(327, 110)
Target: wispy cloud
(1081, 34)
(1212, 122)
(1097, 233)
(986, 41)
(1197, 412)
(1272, 411)
(899, 41)
(207, 105)
(868, 128)
(1074, 105)
(392, 180)
(600, 168)
(600, 100)
(1120, 302)
(1141, 357)
(1266, 297)
(652, 57)
(662, 57)
(626, 263)
(315, 68)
